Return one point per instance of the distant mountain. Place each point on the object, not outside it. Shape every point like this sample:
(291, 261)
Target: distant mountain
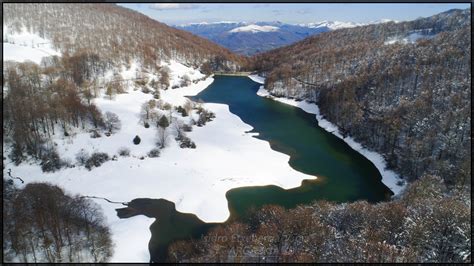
(255, 28)
(332, 25)
(335, 25)
(251, 38)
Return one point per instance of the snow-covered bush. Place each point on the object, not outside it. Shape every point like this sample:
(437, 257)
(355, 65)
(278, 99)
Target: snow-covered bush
(82, 156)
(96, 160)
(188, 106)
(124, 151)
(16, 155)
(187, 128)
(156, 94)
(95, 134)
(187, 143)
(204, 117)
(165, 77)
(154, 153)
(182, 111)
(50, 161)
(185, 81)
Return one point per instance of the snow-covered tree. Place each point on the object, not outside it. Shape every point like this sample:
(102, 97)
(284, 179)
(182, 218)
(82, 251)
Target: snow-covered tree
(112, 122)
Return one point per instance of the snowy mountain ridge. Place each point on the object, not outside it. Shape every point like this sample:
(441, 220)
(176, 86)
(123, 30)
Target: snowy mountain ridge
(250, 38)
(334, 25)
(254, 28)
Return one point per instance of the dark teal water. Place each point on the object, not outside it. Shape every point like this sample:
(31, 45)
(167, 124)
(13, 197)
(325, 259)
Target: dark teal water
(343, 174)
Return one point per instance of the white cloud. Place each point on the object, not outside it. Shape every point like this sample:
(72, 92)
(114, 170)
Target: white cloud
(172, 6)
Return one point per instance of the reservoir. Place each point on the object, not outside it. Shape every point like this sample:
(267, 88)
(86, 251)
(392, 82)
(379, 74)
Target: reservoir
(343, 175)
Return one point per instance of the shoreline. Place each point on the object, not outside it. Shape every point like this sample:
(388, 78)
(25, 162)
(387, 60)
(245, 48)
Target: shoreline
(389, 177)
(238, 74)
(227, 138)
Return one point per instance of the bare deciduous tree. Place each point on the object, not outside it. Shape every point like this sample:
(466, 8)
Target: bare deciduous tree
(162, 137)
(43, 224)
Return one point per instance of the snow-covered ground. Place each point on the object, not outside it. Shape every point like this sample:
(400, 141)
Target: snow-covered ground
(196, 180)
(25, 46)
(389, 177)
(410, 38)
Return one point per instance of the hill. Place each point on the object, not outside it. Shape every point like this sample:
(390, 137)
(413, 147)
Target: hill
(115, 34)
(401, 89)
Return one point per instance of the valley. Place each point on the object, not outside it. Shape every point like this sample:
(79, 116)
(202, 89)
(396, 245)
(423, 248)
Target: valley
(304, 142)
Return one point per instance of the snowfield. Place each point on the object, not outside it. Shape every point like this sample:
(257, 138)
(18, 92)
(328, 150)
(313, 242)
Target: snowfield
(25, 46)
(196, 180)
(413, 37)
(389, 177)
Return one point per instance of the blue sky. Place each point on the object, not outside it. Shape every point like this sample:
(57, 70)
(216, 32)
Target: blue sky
(289, 13)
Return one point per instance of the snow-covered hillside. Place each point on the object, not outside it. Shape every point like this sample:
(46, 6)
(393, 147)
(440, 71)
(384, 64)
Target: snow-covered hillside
(25, 45)
(196, 180)
(255, 28)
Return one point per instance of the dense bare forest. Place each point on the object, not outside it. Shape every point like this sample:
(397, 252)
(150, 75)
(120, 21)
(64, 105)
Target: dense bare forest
(42, 100)
(41, 223)
(405, 98)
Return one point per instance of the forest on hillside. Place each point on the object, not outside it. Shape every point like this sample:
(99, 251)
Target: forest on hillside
(409, 100)
(43, 223)
(56, 97)
(427, 224)
(402, 89)
(117, 35)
